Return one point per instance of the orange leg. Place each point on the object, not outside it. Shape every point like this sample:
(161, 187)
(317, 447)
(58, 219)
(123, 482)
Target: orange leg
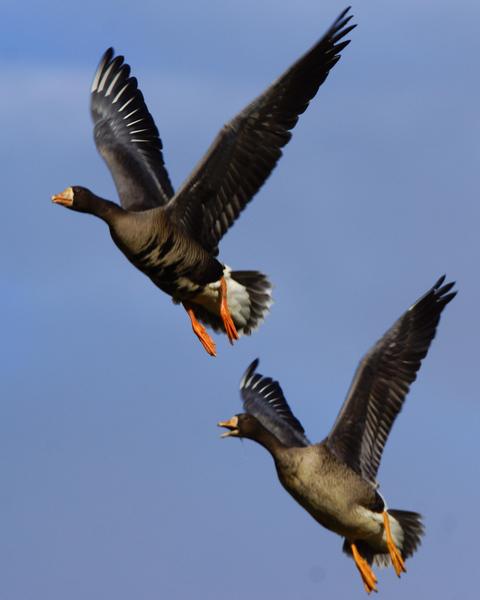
(397, 560)
(200, 331)
(225, 313)
(366, 572)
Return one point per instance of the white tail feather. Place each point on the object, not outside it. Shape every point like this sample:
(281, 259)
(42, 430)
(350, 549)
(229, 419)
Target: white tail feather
(248, 296)
(238, 300)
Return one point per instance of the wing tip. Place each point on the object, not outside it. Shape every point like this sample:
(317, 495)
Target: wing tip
(437, 297)
(249, 373)
(442, 291)
(103, 62)
(341, 21)
(339, 29)
(344, 12)
(108, 62)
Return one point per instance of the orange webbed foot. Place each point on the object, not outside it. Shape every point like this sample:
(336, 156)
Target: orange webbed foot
(395, 556)
(368, 576)
(200, 331)
(228, 323)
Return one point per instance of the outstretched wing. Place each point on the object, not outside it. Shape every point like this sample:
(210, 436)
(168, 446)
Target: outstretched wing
(247, 149)
(382, 382)
(127, 137)
(263, 398)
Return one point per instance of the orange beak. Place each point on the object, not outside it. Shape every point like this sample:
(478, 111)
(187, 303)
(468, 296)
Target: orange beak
(231, 425)
(65, 198)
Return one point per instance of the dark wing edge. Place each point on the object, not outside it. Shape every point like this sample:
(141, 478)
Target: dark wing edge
(126, 136)
(263, 398)
(382, 381)
(246, 150)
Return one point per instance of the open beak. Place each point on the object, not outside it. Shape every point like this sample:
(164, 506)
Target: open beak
(65, 198)
(231, 425)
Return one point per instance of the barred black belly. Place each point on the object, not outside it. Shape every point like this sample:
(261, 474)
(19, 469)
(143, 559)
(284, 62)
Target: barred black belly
(177, 273)
(173, 284)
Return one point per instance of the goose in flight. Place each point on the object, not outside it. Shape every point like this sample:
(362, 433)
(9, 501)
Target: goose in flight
(335, 480)
(173, 237)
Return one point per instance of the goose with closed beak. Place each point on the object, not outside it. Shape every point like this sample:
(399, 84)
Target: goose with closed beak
(172, 237)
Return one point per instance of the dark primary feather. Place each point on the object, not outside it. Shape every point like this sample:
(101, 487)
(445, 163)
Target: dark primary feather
(247, 149)
(126, 136)
(382, 381)
(263, 398)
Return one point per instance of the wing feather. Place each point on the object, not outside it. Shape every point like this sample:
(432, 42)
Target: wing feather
(263, 398)
(382, 381)
(127, 137)
(247, 149)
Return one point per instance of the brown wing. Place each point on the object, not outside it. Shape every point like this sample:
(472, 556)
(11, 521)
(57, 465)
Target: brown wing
(247, 149)
(263, 398)
(127, 137)
(382, 382)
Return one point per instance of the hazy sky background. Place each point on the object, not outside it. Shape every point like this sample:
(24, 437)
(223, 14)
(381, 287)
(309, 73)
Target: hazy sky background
(114, 482)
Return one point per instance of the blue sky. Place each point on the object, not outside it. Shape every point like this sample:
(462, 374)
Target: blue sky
(115, 483)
